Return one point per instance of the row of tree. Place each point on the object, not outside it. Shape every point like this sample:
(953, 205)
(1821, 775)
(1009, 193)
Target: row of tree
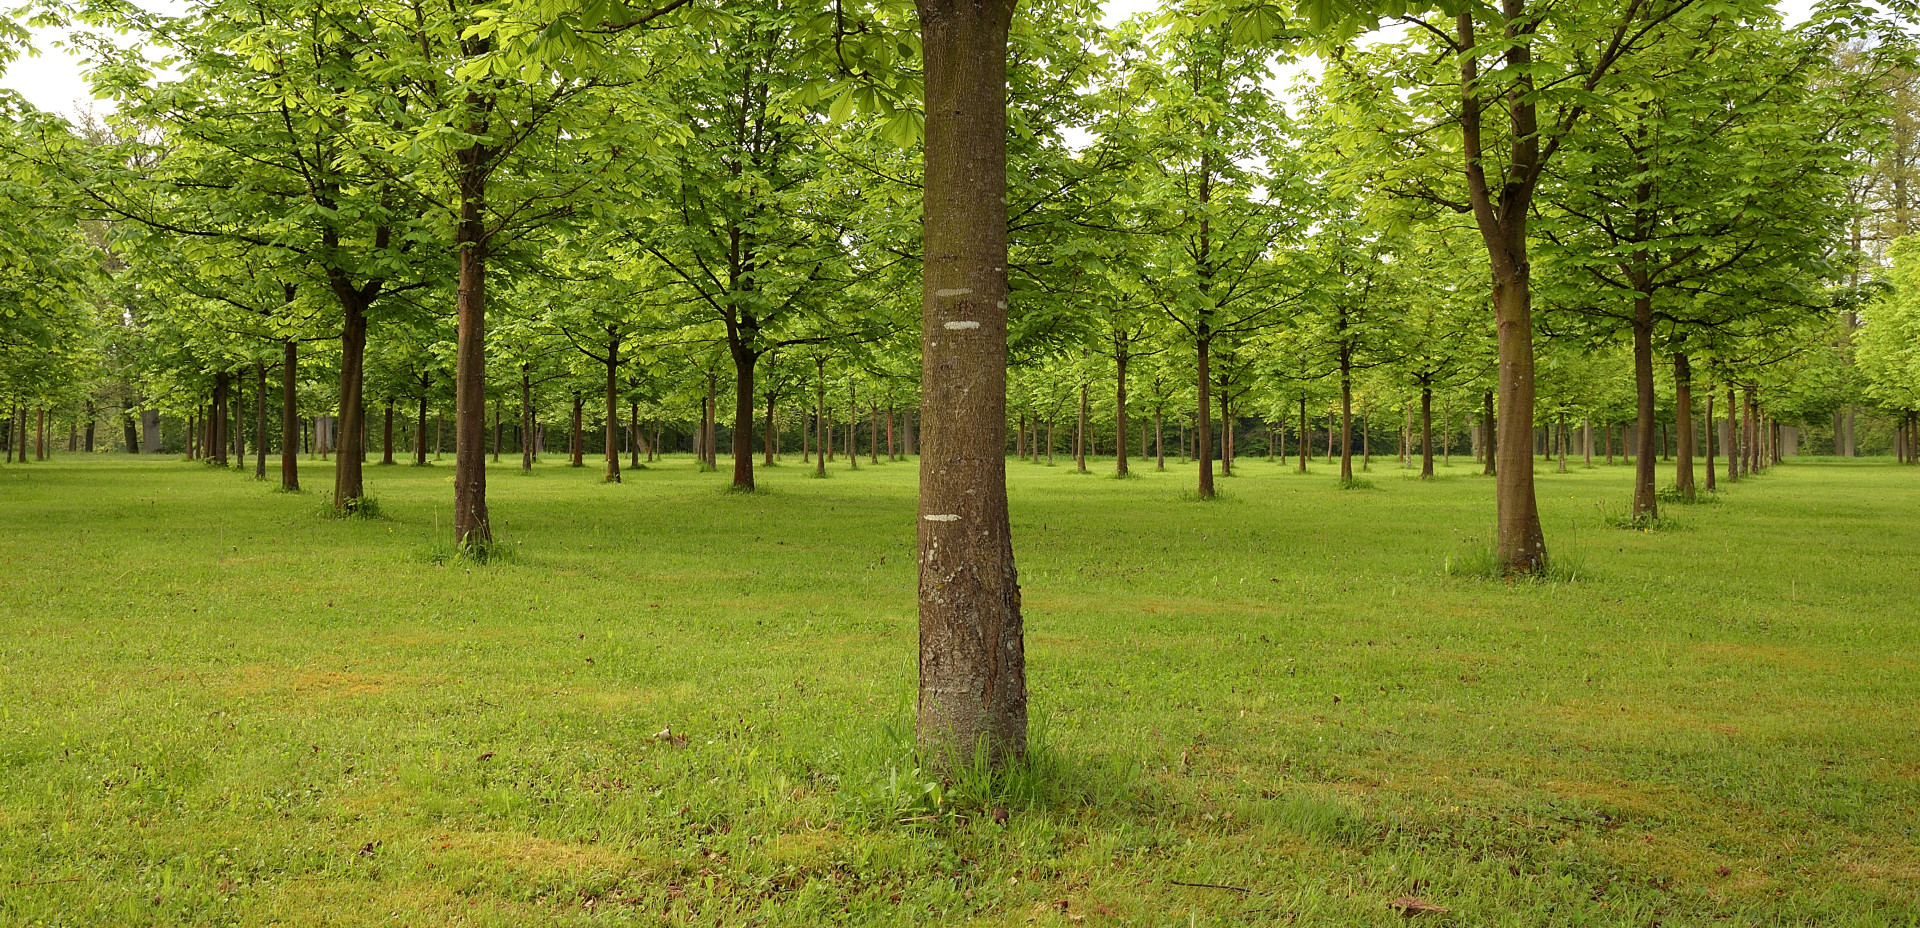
(1527, 215)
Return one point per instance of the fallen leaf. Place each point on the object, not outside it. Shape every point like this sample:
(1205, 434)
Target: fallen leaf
(1409, 906)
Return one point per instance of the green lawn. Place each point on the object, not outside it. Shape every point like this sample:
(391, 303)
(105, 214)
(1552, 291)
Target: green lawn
(217, 708)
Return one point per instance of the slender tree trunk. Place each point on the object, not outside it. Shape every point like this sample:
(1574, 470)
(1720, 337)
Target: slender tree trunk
(1080, 434)
(613, 408)
(1226, 432)
(496, 430)
(1346, 417)
(576, 444)
(635, 435)
(1203, 426)
(772, 434)
(1159, 441)
(260, 421)
(239, 423)
(1120, 437)
(1565, 437)
(1707, 436)
(873, 434)
(420, 429)
(820, 417)
(853, 415)
(386, 433)
(1426, 432)
(527, 441)
(1733, 436)
(1683, 424)
(290, 426)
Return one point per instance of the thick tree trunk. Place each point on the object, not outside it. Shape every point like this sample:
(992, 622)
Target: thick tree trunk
(1645, 505)
(973, 691)
(471, 524)
(745, 364)
(349, 485)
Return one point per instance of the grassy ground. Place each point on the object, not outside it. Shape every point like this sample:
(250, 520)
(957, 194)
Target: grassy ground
(217, 708)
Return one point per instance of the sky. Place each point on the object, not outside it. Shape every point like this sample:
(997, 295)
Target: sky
(52, 79)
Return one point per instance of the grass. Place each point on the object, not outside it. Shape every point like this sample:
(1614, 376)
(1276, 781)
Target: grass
(676, 705)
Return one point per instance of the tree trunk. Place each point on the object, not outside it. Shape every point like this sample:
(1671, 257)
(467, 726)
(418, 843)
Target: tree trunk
(1683, 424)
(1120, 411)
(217, 439)
(1080, 434)
(973, 691)
(1203, 427)
(613, 409)
(576, 444)
(1489, 436)
(820, 417)
(772, 434)
(386, 433)
(1733, 436)
(471, 524)
(1707, 437)
(873, 434)
(526, 422)
(420, 428)
(290, 425)
(1645, 506)
(1226, 432)
(745, 364)
(853, 415)
(1346, 416)
(1426, 432)
(1159, 441)
(348, 483)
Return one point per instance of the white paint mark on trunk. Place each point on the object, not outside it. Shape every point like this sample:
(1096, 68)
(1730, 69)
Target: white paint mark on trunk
(955, 291)
(965, 324)
(942, 518)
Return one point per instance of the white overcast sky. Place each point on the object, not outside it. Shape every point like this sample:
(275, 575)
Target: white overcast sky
(52, 79)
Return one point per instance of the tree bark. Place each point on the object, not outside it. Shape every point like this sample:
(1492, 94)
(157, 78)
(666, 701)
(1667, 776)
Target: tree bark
(349, 485)
(1683, 424)
(471, 524)
(973, 691)
(290, 425)
(1346, 415)
(1080, 434)
(820, 417)
(745, 363)
(526, 421)
(1426, 432)
(420, 427)
(1120, 409)
(576, 444)
(613, 408)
